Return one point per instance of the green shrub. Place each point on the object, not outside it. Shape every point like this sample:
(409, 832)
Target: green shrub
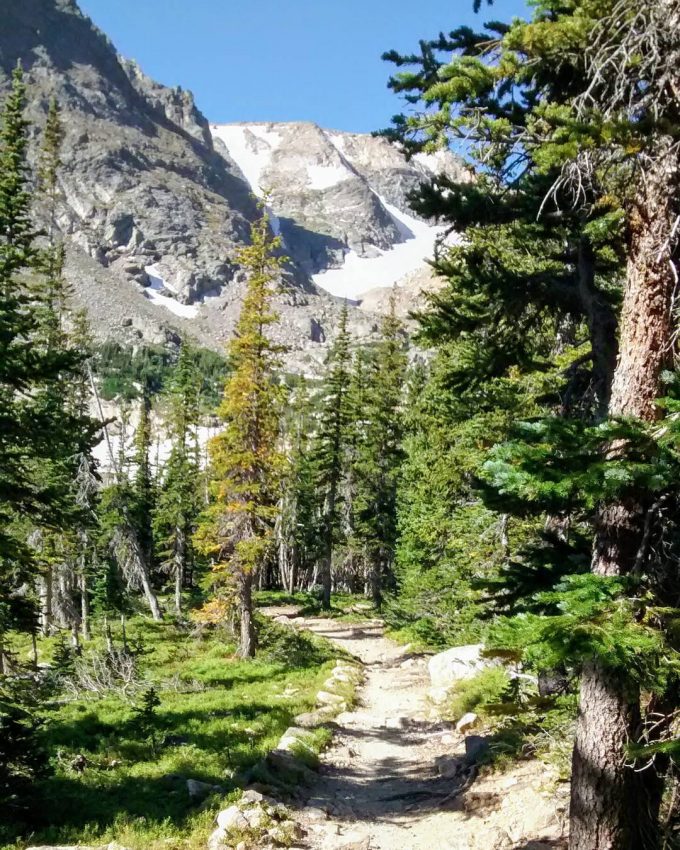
(487, 688)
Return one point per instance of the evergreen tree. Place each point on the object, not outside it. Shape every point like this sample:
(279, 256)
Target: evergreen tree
(379, 455)
(246, 462)
(39, 436)
(298, 526)
(179, 498)
(143, 485)
(331, 447)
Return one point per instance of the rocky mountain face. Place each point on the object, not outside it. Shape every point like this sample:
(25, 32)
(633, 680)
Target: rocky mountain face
(155, 201)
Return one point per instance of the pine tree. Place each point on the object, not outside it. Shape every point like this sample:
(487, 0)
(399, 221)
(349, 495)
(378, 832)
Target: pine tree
(246, 462)
(143, 485)
(331, 447)
(40, 438)
(379, 454)
(179, 498)
(298, 526)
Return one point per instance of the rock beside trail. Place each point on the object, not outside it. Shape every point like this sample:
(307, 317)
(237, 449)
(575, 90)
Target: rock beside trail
(467, 721)
(328, 698)
(266, 822)
(459, 662)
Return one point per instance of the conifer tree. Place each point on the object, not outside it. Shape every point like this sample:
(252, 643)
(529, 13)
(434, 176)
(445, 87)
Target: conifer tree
(331, 447)
(298, 526)
(246, 462)
(179, 500)
(143, 485)
(379, 453)
(38, 438)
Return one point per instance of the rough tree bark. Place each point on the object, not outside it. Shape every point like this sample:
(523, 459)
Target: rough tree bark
(602, 326)
(609, 807)
(180, 562)
(247, 644)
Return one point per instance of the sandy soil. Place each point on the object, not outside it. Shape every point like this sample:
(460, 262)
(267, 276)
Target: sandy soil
(395, 777)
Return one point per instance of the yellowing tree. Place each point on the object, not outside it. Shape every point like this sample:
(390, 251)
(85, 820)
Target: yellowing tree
(245, 459)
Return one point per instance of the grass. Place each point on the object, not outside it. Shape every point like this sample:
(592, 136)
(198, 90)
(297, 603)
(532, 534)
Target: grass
(218, 716)
(518, 721)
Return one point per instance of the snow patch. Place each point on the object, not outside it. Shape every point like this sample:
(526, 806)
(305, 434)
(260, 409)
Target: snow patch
(154, 294)
(324, 176)
(251, 147)
(359, 274)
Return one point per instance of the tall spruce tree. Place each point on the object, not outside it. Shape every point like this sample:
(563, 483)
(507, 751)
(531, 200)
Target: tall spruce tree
(246, 462)
(142, 488)
(38, 438)
(378, 454)
(179, 498)
(331, 447)
(298, 525)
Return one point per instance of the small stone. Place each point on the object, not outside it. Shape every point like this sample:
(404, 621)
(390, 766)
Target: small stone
(326, 698)
(355, 841)
(467, 721)
(231, 818)
(250, 795)
(255, 817)
(198, 790)
(312, 719)
(395, 722)
(438, 695)
(315, 814)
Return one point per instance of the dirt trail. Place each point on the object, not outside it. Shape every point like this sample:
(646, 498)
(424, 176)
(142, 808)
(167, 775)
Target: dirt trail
(395, 777)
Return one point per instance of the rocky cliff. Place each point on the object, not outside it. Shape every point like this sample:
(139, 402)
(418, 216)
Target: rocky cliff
(155, 201)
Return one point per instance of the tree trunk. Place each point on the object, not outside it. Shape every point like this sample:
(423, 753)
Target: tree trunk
(123, 628)
(107, 634)
(142, 572)
(180, 562)
(602, 327)
(327, 559)
(247, 643)
(375, 576)
(84, 607)
(608, 810)
(46, 599)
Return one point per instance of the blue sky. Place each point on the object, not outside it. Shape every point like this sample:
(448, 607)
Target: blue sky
(277, 60)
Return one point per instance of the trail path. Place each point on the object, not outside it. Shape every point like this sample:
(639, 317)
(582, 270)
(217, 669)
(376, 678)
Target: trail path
(395, 777)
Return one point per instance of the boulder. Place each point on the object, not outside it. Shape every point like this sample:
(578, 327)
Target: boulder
(327, 698)
(231, 818)
(255, 817)
(476, 748)
(198, 790)
(455, 664)
(467, 721)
